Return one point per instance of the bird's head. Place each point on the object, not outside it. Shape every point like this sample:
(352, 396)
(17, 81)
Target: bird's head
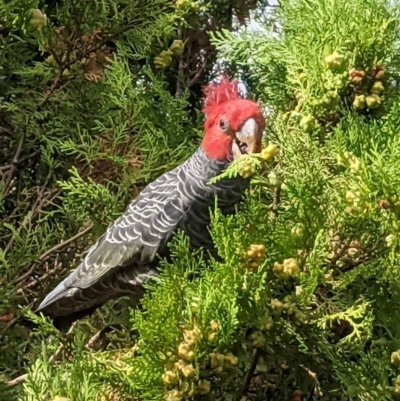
(233, 125)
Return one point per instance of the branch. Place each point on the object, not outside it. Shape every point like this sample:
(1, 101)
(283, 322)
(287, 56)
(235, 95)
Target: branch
(36, 208)
(180, 78)
(249, 373)
(63, 66)
(52, 359)
(13, 165)
(276, 201)
(55, 248)
(17, 380)
(53, 87)
(197, 76)
(313, 375)
(21, 288)
(352, 263)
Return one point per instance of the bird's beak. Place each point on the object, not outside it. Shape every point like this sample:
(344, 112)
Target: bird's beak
(247, 140)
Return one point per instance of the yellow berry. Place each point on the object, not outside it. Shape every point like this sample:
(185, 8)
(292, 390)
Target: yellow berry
(350, 197)
(191, 336)
(51, 61)
(269, 152)
(251, 253)
(185, 352)
(204, 387)
(278, 268)
(174, 395)
(245, 166)
(291, 267)
(164, 59)
(276, 304)
(218, 370)
(230, 360)
(213, 360)
(334, 60)
(169, 377)
(359, 102)
(189, 371)
(177, 47)
(258, 341)
(214, 325)
(377, 87)
(267, 324)
(307, 123)
(395, 358)
(180, 365)
(216, 360)
(298, 230)
(373, 101)
(38, 19)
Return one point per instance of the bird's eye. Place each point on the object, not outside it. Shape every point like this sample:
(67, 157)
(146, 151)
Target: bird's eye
(223, 125)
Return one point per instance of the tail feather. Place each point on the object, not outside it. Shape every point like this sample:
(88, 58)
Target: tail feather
(65, 304)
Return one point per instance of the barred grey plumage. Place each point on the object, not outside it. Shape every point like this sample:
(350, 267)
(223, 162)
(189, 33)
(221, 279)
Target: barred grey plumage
(125, 256)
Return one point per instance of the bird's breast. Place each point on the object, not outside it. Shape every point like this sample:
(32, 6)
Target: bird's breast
(196, 220)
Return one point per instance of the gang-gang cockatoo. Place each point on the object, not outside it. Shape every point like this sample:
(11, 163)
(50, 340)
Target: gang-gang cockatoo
(127, 254)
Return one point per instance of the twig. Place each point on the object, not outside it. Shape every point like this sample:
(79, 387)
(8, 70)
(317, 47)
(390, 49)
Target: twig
(37, 206)
(55, 248)
(351, 264)
(52, 359)
(249, 373)
(26, 157)
(313, 375)
(13, 165)
(17, 380)
(21, 288)
(198, 73)
(63, 66)
(66, 242)
(93, 340)
(53, 87)
(180, 78)
(275, 202)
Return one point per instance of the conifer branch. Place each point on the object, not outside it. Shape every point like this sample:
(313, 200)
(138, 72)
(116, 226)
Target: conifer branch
(52, 359)
(17, 380)
(53, 87)
(41, 200)
(249, 373)
(313, 375)
(199, 72)
(276, 201)
(13, 166)
(55, 248)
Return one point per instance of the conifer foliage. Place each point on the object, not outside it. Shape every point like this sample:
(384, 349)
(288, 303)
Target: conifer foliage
(303, 301)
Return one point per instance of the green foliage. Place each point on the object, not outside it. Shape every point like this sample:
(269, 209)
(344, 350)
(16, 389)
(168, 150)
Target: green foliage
(306, 273)
(84, 124)
(337, 170)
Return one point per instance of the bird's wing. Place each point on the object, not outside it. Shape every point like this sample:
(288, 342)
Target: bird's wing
(134, 238)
